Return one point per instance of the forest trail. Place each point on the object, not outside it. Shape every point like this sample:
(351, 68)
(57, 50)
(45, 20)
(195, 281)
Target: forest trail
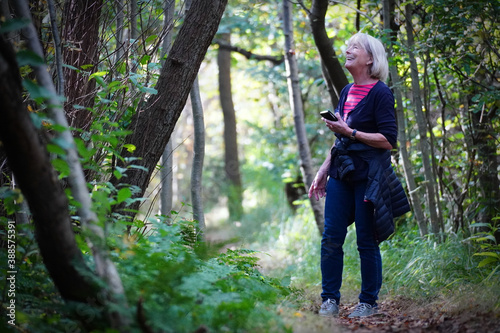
(396, 314)
(401, 315)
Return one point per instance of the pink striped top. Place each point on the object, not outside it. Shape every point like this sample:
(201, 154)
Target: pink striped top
(356, 94)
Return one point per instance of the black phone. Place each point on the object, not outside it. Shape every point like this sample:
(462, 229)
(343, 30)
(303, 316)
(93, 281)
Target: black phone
(327, 114)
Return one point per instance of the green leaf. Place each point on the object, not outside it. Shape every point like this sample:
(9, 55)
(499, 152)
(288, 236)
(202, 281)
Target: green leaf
(123, 194)
(61, 166)
(130, 147)
(27, 57)
(14, 24)
(71, 67)
(486, 261)
(150, 39)
(117, 174)
(55, 149)
(148, 90)
(488, 254)
(144, 59)
(98, 74)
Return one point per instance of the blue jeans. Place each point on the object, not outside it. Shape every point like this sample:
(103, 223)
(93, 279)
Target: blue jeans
(345, 204)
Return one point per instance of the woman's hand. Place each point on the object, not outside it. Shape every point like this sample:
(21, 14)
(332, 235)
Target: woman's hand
(318, 186)
(338, 126)
(376, 140)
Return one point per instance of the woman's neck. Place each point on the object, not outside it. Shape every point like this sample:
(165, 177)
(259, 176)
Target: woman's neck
(364, 80)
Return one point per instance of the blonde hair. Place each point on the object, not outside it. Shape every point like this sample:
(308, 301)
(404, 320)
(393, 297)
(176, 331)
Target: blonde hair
(380, 67)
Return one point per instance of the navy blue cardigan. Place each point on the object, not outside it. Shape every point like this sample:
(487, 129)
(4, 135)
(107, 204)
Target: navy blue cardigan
(373, 114)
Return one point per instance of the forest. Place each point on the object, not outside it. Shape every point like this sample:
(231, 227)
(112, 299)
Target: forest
(156, 155)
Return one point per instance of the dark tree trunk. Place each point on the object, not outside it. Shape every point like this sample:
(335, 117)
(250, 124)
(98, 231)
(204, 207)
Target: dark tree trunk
(81, 40)
(484, 140)
(334, 70)
(155, 121)
(232, 164)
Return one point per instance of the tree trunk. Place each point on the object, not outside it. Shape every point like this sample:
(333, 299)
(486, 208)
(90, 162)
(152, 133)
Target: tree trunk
(167, 180)
(154, 123)
(388, 15)
(298, 110)
(37, 179)
(231, 156)
(81, 37)
(489, 201)
(430, 184)
(105, 268)
(199, 155)
(324, 44)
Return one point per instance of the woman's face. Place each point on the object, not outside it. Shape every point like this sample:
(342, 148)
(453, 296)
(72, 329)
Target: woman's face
(357, 58)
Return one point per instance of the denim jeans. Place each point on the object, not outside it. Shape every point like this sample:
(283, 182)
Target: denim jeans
(345, 204)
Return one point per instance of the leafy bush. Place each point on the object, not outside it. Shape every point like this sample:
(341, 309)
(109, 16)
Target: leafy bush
(181, 291)
(171, 285)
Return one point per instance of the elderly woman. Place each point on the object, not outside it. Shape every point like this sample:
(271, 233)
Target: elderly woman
(357, 177)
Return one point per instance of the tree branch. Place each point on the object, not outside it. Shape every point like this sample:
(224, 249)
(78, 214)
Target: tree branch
(276, 60)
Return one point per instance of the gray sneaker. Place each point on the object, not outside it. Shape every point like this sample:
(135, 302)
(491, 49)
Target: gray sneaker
(329, 308)
(364, 310)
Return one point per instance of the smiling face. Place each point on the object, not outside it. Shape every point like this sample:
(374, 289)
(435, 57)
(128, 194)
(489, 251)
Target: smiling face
(358, 60)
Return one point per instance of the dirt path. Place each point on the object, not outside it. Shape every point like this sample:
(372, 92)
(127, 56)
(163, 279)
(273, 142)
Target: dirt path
(400, 315)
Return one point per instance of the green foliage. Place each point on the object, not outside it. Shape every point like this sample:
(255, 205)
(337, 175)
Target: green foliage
(424, 267)
(489, 247)
(182, 292)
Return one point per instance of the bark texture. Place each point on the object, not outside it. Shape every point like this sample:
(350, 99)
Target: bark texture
(81, 40)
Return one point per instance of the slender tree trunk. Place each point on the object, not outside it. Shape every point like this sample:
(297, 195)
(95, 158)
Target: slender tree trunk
(154, 123)
(120, 19)
(388, 14)
(199, 155)
(334, 70)
(231, 156)
(81, 36)
(167, 180)
(430, 183)
(298, 110)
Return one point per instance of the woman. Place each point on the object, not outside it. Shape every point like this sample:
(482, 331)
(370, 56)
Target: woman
(357, 177)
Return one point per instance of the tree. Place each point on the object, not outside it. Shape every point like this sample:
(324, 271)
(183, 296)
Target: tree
(167, 192)
(231, 155)
(47, 200)
(81, 35)
(430, 183)
(298, 110)
(334, 72)
(154, 122)
(388, 14)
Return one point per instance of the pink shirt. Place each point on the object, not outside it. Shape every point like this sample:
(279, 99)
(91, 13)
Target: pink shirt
(356, 93)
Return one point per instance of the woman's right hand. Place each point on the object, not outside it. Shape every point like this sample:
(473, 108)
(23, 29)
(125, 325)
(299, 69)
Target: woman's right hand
(318, 186)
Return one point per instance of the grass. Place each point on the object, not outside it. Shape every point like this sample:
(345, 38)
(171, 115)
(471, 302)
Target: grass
(421, 269)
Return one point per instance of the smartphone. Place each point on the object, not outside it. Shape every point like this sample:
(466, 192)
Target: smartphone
(327, 114)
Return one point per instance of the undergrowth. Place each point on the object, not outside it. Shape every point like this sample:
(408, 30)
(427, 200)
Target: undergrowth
(172, 285)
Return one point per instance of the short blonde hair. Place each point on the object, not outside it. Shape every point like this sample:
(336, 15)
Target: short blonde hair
(375, 48)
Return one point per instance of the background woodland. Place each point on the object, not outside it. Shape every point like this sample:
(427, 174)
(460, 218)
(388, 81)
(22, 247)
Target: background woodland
(155, 156)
